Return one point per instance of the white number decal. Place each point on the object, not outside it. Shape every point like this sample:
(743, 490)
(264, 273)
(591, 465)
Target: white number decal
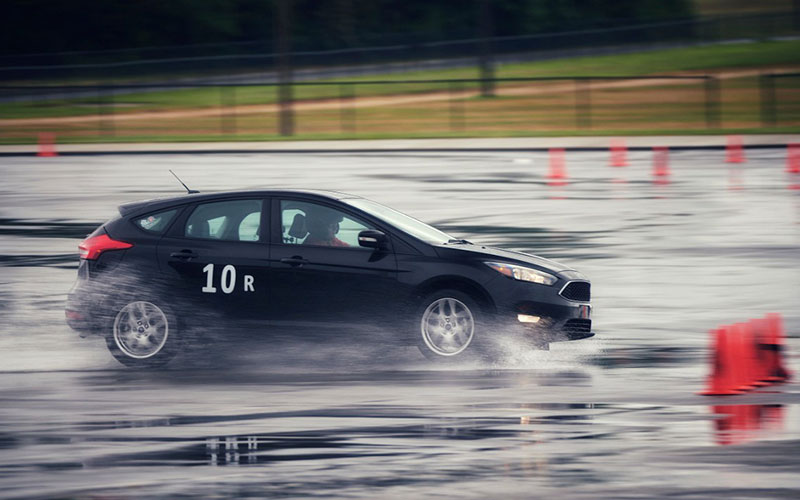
(209, 288)
(248, 283)
(228, 280)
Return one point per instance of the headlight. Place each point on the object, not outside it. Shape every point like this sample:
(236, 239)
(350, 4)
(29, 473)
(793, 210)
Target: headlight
(523, 273)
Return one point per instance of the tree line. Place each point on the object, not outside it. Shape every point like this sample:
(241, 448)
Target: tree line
(207, 27)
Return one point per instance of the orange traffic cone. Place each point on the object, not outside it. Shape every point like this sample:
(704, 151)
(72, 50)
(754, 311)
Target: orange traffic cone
(759, 327)
(661, 165)
(734, 149)
(619, 153)
(558, 169)
(722, 381)
(793, 158)
(777, 373)
(741, 358)
(751, 357)
(47, 141)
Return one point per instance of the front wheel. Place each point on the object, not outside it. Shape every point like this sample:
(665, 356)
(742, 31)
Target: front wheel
(143, 334)
(448, 323)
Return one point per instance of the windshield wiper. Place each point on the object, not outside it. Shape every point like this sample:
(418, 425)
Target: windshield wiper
(460, 242)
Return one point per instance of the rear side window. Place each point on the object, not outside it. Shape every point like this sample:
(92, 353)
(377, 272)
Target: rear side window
(156, 223)
(238, 220)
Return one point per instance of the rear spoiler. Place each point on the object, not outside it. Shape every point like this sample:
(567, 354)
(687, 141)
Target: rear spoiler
(154, 203)
(134, 206)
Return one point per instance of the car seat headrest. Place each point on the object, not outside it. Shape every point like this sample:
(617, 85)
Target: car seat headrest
(298, 229)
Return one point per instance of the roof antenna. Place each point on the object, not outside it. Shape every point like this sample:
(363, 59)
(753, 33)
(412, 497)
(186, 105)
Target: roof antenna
(188, 191)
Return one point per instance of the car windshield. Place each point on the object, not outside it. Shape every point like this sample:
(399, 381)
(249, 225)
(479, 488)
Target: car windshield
(401, 221)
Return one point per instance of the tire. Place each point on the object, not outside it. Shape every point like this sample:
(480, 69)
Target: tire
(143, 333)
(448, 322)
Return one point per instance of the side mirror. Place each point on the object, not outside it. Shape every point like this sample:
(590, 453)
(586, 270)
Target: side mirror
(373, 239)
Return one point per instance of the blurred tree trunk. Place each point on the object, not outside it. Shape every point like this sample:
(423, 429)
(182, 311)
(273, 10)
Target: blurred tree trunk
(284, 45)
(486, 63)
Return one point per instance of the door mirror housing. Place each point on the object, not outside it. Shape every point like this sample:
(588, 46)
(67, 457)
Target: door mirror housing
(373, 239)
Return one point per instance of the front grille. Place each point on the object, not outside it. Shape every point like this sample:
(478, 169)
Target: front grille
(577, 291)
(578, 326)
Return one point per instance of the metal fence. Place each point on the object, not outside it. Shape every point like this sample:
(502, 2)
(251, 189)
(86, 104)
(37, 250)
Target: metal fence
(780, 99)
(366, 107)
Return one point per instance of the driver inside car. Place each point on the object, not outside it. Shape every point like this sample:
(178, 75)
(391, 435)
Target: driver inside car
(322, 229)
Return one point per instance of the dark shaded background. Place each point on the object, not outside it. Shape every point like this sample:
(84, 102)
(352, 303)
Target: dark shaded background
(36, 26)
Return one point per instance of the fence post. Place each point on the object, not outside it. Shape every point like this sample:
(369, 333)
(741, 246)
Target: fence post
(285, 87)
(347, 110)
(227, 109)
(456, 107)
(768, 103)
(233, 114)
(712, 102)
(100, 119)
(104, 108)
(583, 103)
(111, 111)
(486, 56)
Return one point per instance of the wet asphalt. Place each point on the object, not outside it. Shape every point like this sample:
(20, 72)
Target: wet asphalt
(613, 416)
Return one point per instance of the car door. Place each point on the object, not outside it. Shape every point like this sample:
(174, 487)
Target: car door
(216, 260)
(320, 275)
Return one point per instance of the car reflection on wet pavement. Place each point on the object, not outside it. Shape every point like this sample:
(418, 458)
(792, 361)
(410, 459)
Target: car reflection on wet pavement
(612, 416)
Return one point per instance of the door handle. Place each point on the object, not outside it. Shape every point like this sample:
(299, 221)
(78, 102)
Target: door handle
(295, 261)
(183, 255)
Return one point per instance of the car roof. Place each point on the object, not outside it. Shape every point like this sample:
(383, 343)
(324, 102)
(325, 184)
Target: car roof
(154, 204)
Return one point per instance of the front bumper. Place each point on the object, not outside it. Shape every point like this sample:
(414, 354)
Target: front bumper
(540, 313)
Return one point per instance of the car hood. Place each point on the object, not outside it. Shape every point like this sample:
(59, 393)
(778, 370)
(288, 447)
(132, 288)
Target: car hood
(491, 253)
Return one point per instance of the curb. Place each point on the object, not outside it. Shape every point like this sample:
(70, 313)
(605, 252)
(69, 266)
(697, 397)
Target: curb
(512, 145)
(146, 152)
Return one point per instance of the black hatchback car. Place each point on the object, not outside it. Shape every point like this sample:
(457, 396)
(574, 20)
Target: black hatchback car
(167, 270)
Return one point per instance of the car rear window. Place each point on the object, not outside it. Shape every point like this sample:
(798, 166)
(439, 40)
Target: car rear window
(157, 222)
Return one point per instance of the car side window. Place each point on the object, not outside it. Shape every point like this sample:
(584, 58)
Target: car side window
(304, 223)
(236, 220)
(156, 223)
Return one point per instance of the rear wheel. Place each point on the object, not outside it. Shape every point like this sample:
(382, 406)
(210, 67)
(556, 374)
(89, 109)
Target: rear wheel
(143, 334)
(448, 322)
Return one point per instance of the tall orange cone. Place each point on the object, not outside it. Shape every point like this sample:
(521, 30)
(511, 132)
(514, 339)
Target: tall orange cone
(47, 141)
(734, 149)
(722, 381)
(762, 356)
(749, 358)
(619, 153)
(774, 345)
(661, 165)
(793, 158)
(740, 358)
(733, 377)
(558, 169)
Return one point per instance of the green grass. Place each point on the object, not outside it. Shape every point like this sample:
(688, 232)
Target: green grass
(696, 59)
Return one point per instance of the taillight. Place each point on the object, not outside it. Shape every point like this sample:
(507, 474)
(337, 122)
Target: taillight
(91, 248)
